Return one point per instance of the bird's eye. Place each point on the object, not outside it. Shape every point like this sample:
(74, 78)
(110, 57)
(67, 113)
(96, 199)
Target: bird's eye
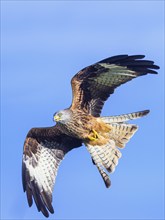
(59, 114)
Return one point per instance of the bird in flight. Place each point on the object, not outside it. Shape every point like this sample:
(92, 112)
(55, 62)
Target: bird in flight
(81, 123)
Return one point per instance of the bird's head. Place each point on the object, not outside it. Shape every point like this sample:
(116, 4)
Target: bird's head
(62, 116)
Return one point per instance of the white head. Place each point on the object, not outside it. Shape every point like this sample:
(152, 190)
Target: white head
(62, 116)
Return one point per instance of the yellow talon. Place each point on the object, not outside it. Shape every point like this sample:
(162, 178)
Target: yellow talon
(93, 136)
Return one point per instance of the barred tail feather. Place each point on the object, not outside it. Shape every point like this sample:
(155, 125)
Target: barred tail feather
(105, 177)
(122, 133)
(124, 117)
(105, 157)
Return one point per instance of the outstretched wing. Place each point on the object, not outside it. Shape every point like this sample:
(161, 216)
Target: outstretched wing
(44, 148)
(92, 85)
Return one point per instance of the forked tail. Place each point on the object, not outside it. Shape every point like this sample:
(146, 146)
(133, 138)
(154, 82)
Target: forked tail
(106, 156)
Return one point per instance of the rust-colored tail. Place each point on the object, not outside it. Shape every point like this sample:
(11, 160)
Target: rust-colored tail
(106, 156)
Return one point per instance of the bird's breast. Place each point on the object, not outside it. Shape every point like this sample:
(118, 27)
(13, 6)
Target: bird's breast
(78, 127)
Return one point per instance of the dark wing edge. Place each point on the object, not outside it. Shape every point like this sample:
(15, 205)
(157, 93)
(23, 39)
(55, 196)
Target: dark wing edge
(44, 149)
(92, 85)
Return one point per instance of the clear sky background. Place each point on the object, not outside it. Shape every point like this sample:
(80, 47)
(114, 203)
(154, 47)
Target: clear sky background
(44, 43)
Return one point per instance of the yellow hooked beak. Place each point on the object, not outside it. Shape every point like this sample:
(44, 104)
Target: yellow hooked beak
(57, 118)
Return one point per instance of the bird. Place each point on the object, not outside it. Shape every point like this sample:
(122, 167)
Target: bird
(82, 125)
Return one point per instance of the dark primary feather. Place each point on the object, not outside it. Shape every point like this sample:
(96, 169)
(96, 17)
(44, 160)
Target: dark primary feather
(94, 84)
(44, 149)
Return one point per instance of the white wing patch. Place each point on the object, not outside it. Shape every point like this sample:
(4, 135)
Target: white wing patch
(45, 170)
(40, 172)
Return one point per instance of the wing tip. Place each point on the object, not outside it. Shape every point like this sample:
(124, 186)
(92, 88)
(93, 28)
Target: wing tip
(133, 62)
(47, 199)
(42, 200)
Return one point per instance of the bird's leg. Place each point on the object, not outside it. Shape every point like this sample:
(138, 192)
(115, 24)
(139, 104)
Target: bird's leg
(94, 135)
(91, 138)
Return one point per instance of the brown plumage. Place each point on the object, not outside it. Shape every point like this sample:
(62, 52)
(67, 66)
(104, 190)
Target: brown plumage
(44, 148)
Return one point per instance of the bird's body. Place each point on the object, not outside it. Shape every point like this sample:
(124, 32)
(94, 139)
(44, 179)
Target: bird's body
(85, 127)
(44, 148)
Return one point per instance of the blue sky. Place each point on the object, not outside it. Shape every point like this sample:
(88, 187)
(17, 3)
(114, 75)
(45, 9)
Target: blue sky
(44, 43)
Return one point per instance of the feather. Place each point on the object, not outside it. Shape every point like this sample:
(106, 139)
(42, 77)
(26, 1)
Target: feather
(124, 117)
(104, 157)
(44, 150)
(92, 85)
